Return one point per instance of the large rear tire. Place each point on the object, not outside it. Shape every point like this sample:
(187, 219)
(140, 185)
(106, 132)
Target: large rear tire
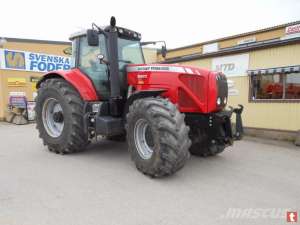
(59, 117)
(157, 137)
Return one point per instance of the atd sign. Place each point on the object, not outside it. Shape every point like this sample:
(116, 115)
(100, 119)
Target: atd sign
(31, 61)
(236, 65)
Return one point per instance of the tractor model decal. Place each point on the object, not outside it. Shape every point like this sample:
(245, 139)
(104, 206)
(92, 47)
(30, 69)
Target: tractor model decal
(174, 69)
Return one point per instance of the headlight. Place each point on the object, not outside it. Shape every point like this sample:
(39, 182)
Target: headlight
(219, 101)
(225, 100)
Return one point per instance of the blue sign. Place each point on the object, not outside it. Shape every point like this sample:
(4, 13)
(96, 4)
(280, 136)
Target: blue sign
(14, 60)
(44, 63)
(31, 61)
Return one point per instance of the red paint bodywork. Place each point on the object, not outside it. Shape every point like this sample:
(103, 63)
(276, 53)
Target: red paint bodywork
(201, 100)
(192, 89)
(79, 81)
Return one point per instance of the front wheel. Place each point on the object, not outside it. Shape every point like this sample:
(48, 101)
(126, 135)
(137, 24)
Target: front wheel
(59, 120)
(157, 137)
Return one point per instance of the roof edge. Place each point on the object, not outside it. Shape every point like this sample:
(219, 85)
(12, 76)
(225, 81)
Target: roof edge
(233, 50)
(27, 40)
(236, 35)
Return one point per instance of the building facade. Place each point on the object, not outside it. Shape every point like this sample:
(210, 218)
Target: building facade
(263, 71)
(23, 62)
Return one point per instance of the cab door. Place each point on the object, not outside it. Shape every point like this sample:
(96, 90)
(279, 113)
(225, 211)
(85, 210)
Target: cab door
(90, 65)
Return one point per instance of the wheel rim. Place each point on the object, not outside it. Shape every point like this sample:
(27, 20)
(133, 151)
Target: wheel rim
(143, 139)
(53, 119)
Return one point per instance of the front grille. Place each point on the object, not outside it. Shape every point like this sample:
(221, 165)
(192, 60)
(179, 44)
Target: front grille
(195, 84)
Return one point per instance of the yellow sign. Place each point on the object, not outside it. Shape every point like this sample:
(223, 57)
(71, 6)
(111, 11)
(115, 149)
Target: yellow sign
(34, 87)
(34, 81)
(16, 82)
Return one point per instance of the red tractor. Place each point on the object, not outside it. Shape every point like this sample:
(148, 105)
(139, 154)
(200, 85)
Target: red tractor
(164, 111)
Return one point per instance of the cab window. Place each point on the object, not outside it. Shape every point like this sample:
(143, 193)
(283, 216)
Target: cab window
(90, 65)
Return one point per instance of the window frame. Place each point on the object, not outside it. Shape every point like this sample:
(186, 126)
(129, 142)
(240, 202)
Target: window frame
(76, 59)
(250, 93)
(140, 48)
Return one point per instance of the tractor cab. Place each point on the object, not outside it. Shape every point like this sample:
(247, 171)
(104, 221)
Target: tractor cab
(103, 54)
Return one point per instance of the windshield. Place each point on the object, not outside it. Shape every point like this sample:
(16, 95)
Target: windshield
(130, 51)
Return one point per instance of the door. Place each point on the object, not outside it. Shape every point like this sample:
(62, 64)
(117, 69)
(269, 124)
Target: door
(90, 65)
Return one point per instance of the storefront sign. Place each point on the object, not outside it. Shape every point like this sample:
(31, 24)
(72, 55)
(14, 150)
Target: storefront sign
(232, 90)
(18, 101)
(214, 47)
(291, 32)
(31, 61)
(236, 65)
(292, 29)
(16, 82)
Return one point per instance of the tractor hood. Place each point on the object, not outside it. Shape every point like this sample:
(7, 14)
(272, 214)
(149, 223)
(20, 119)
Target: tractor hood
(191, 87)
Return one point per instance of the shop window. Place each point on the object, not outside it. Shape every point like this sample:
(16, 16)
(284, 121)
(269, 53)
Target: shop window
(292, 87)
(275, 86)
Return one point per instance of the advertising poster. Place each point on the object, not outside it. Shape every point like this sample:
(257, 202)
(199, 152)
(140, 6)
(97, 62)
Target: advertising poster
(32, 61)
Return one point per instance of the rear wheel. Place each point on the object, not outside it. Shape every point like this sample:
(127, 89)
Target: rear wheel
(157, 137)
(59, 110)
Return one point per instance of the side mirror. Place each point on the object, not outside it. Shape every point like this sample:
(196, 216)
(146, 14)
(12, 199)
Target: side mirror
(163, 51)
(92, 37)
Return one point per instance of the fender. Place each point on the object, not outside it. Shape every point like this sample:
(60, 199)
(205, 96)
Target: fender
(77, 79)
(141, 94)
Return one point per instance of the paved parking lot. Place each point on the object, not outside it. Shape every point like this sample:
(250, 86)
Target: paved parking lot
(102, 186)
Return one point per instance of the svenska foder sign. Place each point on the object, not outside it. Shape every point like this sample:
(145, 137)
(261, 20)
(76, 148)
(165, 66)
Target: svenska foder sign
(32, 61)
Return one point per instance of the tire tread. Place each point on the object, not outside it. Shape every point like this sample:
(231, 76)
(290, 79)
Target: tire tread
(77, 139)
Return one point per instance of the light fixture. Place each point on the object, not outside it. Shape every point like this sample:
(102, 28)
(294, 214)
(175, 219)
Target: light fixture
(2, 42)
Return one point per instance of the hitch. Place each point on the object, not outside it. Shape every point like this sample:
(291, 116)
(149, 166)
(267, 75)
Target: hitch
(239, 130)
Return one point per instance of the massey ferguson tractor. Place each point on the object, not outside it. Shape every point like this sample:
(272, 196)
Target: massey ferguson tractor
(164, 111)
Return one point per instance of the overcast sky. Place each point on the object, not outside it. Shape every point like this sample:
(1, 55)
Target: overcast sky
(179, 23)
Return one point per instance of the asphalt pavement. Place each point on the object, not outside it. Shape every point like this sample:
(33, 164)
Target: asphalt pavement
(253, 182)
